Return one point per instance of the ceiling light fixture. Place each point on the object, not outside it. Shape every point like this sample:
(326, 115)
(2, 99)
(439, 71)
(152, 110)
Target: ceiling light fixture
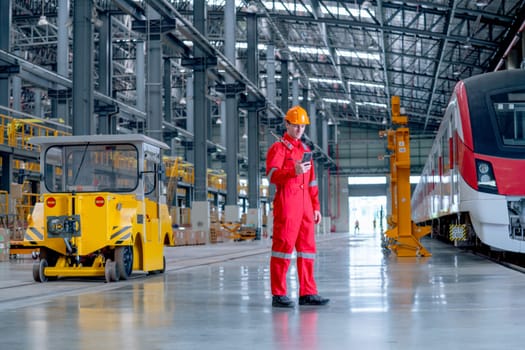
(42, 21)
(482, 3)
(366, 5)
(467, 45)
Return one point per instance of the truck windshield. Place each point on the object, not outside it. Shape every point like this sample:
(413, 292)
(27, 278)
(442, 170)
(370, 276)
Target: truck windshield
(91, 168)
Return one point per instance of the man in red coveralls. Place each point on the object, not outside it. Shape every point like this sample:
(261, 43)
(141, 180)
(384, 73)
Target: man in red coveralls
(295, 209)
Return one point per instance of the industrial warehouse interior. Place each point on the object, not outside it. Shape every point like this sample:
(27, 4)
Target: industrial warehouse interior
(141, 205)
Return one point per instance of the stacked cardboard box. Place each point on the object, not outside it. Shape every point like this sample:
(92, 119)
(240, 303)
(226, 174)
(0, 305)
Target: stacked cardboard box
(184, 236)
(185, 217)
(216, 233)
(179, 237)
(199, 237)
(175, 216)
(214, 214)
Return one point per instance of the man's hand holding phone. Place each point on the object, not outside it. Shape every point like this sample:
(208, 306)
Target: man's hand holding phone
(307, 157)
(304, 165)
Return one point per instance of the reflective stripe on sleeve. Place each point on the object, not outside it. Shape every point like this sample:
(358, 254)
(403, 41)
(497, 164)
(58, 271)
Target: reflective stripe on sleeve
(306, 255)
(313, 183)
(281, 255)
(270, 174)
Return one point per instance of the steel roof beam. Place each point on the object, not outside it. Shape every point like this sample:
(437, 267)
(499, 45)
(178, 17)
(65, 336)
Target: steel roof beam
(386, 28)
(166, 9)
(382, 44)
(48, 79)
(441, 56)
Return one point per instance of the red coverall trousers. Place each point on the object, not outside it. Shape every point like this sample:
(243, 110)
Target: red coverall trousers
(296, 198)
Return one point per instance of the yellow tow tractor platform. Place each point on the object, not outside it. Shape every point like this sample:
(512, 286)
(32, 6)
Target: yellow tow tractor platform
(102, 211)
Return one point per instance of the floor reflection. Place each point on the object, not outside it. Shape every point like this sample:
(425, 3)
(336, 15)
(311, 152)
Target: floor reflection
(92, 320)
(295, 329)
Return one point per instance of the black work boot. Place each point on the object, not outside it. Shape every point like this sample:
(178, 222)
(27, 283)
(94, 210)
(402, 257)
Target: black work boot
(314, 299)
(282, 301)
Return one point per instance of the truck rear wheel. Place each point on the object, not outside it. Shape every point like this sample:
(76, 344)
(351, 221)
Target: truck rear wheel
(124, 260)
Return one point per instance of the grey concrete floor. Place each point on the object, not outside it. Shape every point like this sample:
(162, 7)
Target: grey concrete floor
(217, 297)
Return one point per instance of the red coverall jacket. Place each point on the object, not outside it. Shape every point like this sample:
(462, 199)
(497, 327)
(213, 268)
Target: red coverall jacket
(296, 198)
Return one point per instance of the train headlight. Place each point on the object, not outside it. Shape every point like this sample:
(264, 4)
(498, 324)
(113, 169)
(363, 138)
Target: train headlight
(483, 168)
(486, 179)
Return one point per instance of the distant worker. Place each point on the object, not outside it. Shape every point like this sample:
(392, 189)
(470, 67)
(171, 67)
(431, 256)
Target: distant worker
(374, 222)
(296, 210)
(356, 226)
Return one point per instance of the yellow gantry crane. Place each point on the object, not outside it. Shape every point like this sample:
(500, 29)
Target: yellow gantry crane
(402, 236)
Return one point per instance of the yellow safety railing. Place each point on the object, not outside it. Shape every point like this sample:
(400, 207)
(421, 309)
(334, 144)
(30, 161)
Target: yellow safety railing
(217, 180)
(16, 132)
(24, 205)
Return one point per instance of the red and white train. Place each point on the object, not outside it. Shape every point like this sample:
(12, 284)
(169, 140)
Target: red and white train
(472, 189)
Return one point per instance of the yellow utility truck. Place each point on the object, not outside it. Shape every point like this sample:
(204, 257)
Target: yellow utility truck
(102, 210)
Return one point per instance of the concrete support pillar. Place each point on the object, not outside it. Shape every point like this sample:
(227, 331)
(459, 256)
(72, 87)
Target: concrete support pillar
(140, 71)
(253, 217)
(231, 120)
(312, 113)
(284, 83)
(5, 44)
(16, 93)
(324, 180)
(38, 111)
(105, 72)
(168, 98)
(200, 218)
(62, 102)
(295, 90)
(83, 119)
(189, 114)
(340, 221)
(154, 69)
(6, 172)
(271, 89)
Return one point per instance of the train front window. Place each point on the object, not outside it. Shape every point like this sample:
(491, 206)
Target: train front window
(509, 109)
(91, 168)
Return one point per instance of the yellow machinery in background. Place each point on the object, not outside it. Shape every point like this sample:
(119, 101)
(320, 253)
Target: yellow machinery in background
(102, 210)
(402, 236)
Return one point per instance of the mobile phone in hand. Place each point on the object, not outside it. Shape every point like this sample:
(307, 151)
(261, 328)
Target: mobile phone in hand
(307, 156)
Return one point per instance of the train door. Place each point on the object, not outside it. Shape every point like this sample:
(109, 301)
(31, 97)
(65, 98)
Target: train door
(454, 172)
(436, 185)
(447, 146)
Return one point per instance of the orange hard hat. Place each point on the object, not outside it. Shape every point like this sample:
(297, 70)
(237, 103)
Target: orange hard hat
(297, 115)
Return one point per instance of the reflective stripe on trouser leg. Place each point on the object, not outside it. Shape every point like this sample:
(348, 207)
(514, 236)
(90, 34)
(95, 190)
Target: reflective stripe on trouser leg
(279, 264)
(305, 273)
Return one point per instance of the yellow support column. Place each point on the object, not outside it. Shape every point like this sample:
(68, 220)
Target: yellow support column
(403, 235)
